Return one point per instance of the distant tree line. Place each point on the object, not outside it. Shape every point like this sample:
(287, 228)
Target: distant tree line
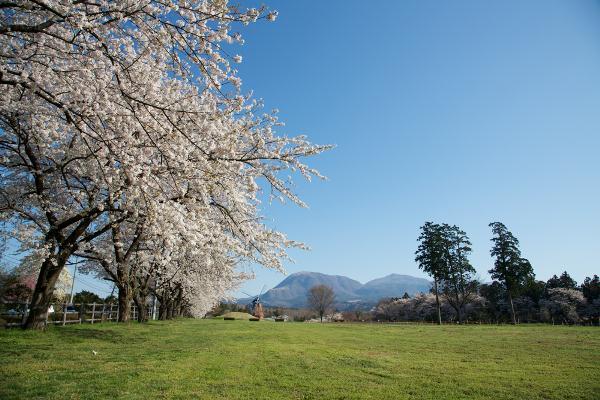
(513, 296)
(555, 301)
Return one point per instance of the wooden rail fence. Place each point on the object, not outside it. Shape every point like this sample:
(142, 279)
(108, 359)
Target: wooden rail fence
(62, 314)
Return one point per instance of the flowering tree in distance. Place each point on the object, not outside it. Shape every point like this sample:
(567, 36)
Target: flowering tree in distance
(124, 139)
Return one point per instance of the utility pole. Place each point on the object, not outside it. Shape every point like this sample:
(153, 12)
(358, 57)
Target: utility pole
(73, 284)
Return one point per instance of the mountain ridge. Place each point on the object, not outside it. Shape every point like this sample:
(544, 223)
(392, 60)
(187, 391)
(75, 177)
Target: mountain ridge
(292, 290)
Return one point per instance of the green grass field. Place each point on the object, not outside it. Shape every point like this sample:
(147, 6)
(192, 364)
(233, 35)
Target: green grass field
(212, 359)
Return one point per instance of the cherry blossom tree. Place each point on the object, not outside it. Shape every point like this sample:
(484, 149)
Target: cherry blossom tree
(123, 123)
(564, 305)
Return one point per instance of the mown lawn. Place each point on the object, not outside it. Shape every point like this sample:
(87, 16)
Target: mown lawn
(265, 360)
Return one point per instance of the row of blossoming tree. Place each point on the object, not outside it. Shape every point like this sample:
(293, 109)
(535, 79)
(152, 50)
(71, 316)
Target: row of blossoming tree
(126, 143)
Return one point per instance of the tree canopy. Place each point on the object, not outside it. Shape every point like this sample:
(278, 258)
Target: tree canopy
(320, 298)
(510, 269)
(125, 140)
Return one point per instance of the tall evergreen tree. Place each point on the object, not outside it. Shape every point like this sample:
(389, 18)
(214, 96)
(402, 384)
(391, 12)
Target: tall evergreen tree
(563, 281)
(431, 257)
(591, 288)
(459, 286)
(510, 269)
(86, 297)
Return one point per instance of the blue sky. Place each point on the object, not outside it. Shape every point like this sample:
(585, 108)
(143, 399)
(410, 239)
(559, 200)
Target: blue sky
(463, 112)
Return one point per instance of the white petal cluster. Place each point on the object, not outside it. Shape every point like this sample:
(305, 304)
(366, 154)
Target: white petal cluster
(124, 139)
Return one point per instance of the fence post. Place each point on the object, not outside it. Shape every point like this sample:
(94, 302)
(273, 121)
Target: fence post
(153, 308)
(64, 314)
(81, 311)
(25, 307)
(93, 311)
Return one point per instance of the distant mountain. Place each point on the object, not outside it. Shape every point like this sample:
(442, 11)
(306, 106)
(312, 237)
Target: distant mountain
(292, 291)
(393, 285)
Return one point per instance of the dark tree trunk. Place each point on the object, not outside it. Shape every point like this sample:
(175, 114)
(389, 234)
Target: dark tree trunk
(459, 309)
(162, 311)
(142, 308)
(162, 304)
(142, 312)
(437, 302)
(42, 295)
(173, 309)
(125, 297)
(179, 303)
(140, 297)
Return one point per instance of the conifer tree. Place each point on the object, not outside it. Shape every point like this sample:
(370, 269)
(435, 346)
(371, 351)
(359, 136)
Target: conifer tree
(510, 269)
